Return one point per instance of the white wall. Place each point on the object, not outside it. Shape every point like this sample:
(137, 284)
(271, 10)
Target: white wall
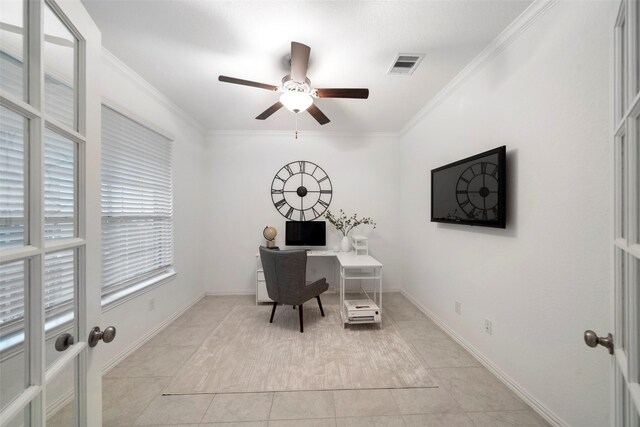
(364, 171)
(545, 279)
(134, 319)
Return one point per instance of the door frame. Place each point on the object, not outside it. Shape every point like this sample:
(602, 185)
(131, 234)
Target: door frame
(87, 291)
(625, 365)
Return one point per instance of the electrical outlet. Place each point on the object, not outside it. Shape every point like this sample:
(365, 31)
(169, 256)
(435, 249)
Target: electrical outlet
(152, 304)
(458, 307)
(488, 326)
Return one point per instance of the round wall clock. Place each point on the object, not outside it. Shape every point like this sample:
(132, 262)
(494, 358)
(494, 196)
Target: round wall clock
(301, 191)
(477, 191)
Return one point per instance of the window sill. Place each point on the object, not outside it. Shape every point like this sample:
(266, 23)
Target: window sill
(11, 345)
(113, 300)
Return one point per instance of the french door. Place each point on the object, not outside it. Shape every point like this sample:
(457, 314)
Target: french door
(626, 359)
(49, 213)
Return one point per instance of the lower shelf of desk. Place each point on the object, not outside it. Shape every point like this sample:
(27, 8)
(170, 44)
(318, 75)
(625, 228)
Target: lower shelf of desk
(372, 314)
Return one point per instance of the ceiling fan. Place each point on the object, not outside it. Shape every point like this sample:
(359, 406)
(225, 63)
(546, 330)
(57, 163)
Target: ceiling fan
(296, 92)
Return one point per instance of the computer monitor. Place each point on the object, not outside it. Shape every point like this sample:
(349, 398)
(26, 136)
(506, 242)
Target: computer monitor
(306, 233)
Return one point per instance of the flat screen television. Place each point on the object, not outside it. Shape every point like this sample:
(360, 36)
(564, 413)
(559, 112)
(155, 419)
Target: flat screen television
(471, 191)
(306, 233)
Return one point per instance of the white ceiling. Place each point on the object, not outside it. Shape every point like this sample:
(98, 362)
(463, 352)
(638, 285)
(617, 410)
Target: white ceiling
(181, 47)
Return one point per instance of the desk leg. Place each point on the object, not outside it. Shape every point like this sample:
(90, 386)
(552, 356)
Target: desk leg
(380, 297)
(336, 275)
(375, 288)
(342, 313)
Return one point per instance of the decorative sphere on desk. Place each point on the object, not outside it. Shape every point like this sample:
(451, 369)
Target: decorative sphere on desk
(269, 233)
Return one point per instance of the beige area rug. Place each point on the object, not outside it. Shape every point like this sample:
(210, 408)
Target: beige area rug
(245, 353)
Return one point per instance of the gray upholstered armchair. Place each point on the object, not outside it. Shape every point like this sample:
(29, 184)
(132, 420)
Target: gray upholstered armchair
(285, 276)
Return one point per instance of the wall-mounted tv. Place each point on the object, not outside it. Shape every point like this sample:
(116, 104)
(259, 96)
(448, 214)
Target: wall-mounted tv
(471, 191)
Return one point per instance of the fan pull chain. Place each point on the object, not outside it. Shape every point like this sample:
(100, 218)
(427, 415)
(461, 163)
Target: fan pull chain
(296, 126)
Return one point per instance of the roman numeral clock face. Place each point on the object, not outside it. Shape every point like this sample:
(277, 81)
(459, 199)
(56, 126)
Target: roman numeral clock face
(301, 191)
(477, 191)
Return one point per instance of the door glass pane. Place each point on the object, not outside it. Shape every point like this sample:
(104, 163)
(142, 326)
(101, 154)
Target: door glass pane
(621, 187)
(59, 186)
(59, 298)
(13, 356)
(20, 420)
(621, 296)
(621, 399)
(633, 280)
(625, 407)
(60, 70)
(636, 184)
(12, 47)
(61, 398)
(13, 130)
(624, 64)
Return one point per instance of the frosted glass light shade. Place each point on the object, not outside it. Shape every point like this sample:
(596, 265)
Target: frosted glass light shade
(296, 101)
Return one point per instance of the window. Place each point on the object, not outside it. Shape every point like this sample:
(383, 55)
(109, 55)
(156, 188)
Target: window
(137, 203)
(60, 174)
(59, 186)
(24, 207)
(13, 131)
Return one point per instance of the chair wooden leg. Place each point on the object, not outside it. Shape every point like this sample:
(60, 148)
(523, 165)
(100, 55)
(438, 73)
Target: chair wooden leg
(273, 311)
(301, 323)
(320, 305)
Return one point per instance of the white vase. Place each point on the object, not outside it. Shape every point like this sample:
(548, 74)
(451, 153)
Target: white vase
(345, 244)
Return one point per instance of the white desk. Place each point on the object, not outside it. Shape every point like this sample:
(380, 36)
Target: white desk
(350, 266)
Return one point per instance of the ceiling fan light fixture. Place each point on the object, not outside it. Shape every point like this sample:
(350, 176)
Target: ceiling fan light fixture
(296, 102)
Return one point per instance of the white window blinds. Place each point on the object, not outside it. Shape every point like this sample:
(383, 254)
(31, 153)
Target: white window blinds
(59, 198)
(59, 281)
(13, 129)
(137, 202)
(12, 278)
(59, 186)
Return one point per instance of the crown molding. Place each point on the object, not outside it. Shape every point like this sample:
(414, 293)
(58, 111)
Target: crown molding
(500, 43)
(135, 78)
(301, 134)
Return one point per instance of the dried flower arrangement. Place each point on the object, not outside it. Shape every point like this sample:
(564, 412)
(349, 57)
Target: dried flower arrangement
(345, 224)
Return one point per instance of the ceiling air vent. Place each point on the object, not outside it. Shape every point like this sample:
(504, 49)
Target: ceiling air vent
(405, 63)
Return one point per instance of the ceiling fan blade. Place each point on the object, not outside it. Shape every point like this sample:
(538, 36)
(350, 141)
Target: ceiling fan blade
(269, 111)
(343, 93)
(247, 83)
(299, 61)
(318, 115)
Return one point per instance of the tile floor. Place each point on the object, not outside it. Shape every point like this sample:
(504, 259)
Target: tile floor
(468, 394)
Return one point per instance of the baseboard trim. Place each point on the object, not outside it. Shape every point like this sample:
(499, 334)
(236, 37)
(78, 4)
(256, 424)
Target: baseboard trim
(530, 400)
(228, 293)
(231, 293)
(146, 337)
